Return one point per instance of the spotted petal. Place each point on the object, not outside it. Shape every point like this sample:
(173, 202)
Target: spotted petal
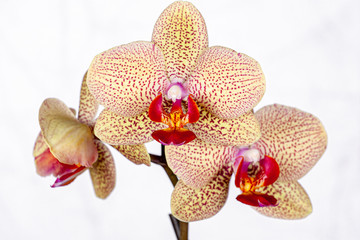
(227, 83)
(116, 130)
(70, 141)
(294, 138)
(197, 162)
(189, 204)
(181, 34)
(240, 131)
(127, 78)
(88, 106)
(294, 203)
(103, 174)
(138, 154)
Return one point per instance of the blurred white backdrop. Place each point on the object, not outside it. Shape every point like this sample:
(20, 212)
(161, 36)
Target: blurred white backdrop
(309, 52)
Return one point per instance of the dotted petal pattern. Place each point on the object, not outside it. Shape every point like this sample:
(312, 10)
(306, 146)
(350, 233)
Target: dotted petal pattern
(70, 141)
(138, 154)
(181, 34)
(294, 203)
(116, 130)
(197, 162)
(295, 139)
(88, 106)
(241, 131)
(227, 83)
(103, 173)
(189, 204)
(127, 78)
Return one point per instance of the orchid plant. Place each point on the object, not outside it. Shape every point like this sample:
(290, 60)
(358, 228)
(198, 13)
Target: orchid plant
(198, 102)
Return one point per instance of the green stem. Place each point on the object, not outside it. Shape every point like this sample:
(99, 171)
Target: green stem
(181, 229)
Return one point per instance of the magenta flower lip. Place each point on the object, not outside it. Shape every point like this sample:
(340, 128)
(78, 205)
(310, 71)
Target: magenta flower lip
(252, 175)
(267, 171)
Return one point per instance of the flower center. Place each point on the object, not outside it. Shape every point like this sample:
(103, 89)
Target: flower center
(253, 169)
(252, 155)
(175, 134)
(176, 90)
(252, 173)
(174, 93)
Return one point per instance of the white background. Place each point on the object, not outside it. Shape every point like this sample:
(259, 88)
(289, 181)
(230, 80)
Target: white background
(309, 52)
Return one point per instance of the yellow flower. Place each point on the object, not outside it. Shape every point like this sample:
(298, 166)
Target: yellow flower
(294, 139)
(219, 85)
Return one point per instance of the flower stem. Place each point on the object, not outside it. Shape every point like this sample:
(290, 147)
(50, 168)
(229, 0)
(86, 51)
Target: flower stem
(181, 229)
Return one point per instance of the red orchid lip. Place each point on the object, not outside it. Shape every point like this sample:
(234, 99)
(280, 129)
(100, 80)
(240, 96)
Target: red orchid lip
(175, 137)
(251, 176)
(176, 134)
(257, 200)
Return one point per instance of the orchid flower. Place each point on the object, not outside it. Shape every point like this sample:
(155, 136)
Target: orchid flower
(267, 172)
(146, 86)
(66, 145)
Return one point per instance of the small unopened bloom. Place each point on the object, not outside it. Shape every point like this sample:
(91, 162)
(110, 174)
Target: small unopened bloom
(66, 146)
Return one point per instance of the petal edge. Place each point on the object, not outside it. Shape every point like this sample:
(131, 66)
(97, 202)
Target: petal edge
(180, 32)
(295, 139)
(127, 78)
(70, 141)
(227, 83)
(293, 201)
(188, 204)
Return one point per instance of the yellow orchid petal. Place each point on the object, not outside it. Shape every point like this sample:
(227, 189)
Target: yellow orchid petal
(102, 172)
(189, 204)
(138, 154)
(40, 145)
(240, 131)
(73, 111)
(181, 34)
(197, 162)
(227, 83)
(88, 106)
(45, 163)
(127, 78)
(294, 203)
(70, 141)
(295, 139)
(116, 130)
